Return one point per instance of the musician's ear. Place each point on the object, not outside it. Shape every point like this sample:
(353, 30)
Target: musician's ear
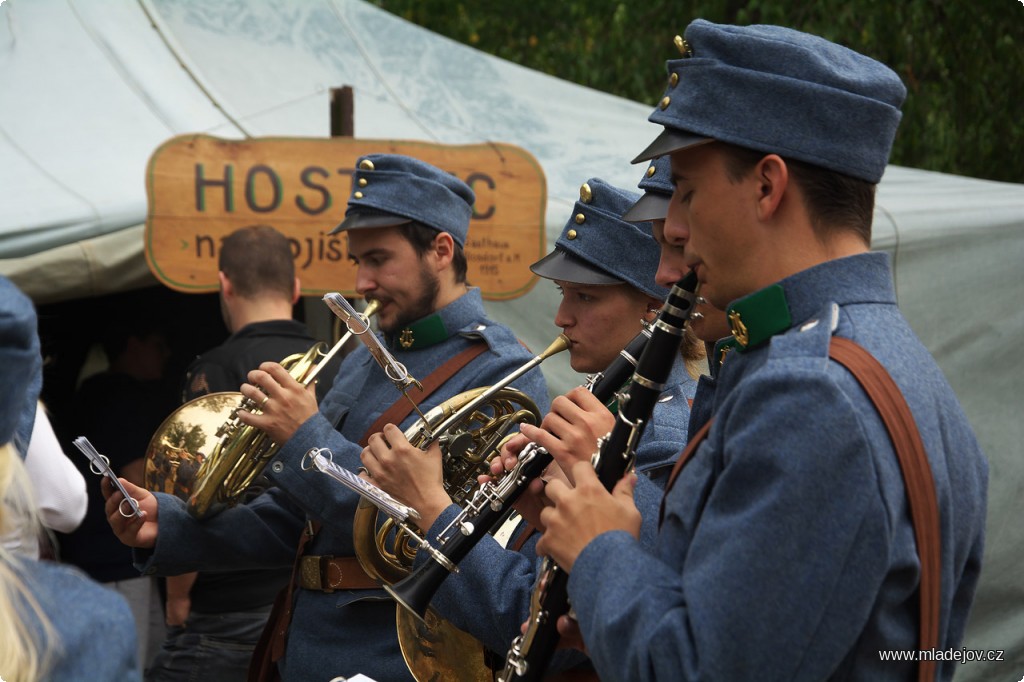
(772, 176)
(225, 284)
(444, 250)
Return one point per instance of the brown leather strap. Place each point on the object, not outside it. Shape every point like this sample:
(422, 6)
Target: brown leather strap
(261, 666)
(917, 478)
(691, 448)
(327, 573)
(525, 535)
(401, 408)
(270, 647)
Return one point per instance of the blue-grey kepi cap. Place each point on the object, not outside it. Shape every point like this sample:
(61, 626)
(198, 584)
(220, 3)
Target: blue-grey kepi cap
(391, 189)
(656, 185)
(20, 362)
(780, 91)
(598, 247)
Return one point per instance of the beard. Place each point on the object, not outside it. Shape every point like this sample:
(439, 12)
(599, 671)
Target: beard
(421, 306)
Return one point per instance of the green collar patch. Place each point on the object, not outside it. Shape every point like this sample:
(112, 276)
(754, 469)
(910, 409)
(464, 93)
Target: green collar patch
(420, 334)
(758, 317)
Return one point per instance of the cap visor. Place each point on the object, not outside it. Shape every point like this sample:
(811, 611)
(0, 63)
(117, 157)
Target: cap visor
(358, 219)
(670, 140)
(562, 266)
(648, 207)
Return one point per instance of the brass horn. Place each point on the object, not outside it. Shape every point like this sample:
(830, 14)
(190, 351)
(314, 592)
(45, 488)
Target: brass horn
(203, 454)
(470, 428)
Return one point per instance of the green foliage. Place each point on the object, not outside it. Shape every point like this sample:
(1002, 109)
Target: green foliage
(962, 62)
(189, 439)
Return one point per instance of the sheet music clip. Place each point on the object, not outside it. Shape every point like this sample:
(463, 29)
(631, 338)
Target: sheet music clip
(100, 466)
(316, 459)
(359, 325)
(400, 513)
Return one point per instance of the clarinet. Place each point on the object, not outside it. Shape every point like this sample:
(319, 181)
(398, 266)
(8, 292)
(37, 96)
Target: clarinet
(491, 504)
(531, 652)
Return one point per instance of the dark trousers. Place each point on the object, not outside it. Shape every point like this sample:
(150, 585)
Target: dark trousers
(214, 646)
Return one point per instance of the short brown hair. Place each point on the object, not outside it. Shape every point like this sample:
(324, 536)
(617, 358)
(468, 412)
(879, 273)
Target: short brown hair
(834, 201)
(422, 239)
(258, 260)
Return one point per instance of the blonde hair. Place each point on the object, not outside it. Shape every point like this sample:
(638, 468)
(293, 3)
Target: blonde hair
(694, 354)
(691, 350)
(24, 653)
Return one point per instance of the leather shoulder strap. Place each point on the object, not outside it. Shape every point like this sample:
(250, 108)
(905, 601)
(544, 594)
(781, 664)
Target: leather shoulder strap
(691, 448)
(524, 535)
(917, 478)
(401, 408)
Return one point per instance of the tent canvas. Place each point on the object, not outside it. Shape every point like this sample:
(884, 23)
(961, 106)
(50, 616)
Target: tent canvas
(88, 90)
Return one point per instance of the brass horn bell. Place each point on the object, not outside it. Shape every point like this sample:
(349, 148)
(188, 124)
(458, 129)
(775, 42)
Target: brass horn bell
(203, 454)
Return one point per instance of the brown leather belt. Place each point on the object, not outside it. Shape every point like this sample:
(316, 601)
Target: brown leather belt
(329, 573)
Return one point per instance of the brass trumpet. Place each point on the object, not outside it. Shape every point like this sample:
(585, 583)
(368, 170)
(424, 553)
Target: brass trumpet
(202, 452)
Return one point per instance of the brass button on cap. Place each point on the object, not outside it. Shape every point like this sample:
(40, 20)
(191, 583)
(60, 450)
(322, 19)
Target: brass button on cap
(366, 164)
(362, 182)
(663, 104)
(580, 218)
(571, 234)
(586, 195)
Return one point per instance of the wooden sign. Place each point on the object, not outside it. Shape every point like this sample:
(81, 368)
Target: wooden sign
(201, 188)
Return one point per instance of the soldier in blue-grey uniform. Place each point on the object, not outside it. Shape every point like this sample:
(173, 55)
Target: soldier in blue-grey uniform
(787, 550)
(707, 323)
(406, 223)
(604, 267)
(56, 623)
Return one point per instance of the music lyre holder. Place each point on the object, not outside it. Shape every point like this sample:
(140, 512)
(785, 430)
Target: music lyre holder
(399, 513)
(100, 465)
(359, 325)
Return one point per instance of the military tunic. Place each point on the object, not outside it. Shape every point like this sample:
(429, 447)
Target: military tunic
(786, 551)
(344, 632)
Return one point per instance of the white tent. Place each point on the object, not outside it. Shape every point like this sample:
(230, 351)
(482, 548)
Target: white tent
(89, 89)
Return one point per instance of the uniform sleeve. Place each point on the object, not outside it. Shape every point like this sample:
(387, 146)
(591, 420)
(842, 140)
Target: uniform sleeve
(322, 498)
(490, 595)
(263, 533)
(786, 558)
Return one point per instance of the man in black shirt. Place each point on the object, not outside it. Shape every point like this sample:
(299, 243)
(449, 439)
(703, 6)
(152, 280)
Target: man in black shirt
(215, 618)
